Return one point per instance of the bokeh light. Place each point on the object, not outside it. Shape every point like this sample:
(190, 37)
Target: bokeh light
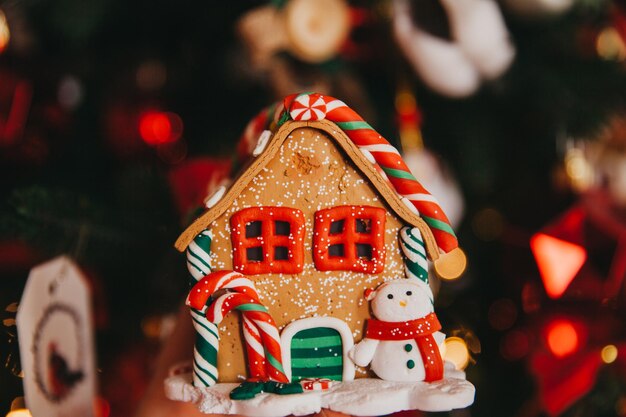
(456, 352)
(609, 353)
(562, 338)
(18, 409)
(5, 33)
(610, 45)
(158, 127)
(22, 412)
(102, 408)
(579, 169)
(70, 93)
(558, 261)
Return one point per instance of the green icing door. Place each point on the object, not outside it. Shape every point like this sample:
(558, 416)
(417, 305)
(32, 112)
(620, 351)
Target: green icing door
(317, 353)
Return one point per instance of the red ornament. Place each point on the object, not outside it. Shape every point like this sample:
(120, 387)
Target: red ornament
(571, 253)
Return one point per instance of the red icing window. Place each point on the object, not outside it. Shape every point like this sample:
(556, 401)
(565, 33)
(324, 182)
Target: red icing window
(268, 240)
(350, 238)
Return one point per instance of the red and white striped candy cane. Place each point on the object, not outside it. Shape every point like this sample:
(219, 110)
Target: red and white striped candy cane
(260, 331)
(220, 280)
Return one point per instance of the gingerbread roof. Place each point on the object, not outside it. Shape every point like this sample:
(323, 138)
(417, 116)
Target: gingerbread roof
(373, 156)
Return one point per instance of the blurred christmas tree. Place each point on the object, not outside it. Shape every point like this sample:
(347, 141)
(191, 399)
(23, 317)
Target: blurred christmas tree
(116, 118)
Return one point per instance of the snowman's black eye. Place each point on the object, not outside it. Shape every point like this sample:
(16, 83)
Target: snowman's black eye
(409, 293)
(390, 296)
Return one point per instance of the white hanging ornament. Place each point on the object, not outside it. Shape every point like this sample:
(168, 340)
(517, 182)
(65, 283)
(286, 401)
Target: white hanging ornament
(479, 50)
(55, 332)
(311, 30)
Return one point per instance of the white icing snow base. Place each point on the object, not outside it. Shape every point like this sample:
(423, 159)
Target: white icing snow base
(363, 397)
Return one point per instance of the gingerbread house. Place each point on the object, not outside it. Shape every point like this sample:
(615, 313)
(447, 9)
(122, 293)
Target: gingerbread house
(323, 209)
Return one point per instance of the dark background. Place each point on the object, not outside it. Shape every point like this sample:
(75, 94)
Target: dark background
(80, 181)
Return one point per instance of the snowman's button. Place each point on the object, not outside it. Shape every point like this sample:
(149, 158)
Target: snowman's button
(410, 364)
(408, 347)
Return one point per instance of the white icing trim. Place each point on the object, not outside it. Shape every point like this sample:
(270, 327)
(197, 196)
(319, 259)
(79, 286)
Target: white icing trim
(264, 139)
(347, 341)
(215, 197)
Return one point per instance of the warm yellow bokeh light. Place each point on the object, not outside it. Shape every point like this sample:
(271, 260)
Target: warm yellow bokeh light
(610, 45)
(456, 352)
(609, 353)
(579, 170)
(5, 34)
(22, 412)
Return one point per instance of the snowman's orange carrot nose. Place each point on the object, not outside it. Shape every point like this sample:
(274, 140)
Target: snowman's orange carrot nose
(402, 303)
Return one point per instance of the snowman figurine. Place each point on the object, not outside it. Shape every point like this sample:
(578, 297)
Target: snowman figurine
(402, 342)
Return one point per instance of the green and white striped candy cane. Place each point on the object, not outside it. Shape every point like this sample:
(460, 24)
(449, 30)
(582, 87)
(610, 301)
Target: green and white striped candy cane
(207, 340)
(199, 256)
(415, 261)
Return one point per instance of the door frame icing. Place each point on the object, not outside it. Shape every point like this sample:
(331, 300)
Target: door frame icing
(347, 341)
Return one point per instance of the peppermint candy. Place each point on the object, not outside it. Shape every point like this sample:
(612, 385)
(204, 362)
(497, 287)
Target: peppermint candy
(308, 107)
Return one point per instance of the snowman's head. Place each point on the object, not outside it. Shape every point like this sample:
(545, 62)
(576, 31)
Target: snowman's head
(401, 300)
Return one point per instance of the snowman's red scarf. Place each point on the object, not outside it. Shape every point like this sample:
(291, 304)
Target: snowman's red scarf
(420, 330)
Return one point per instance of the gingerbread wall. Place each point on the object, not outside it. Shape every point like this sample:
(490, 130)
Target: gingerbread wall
(309, 173)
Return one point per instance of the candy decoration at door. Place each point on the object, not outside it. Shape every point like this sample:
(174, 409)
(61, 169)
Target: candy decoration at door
(260, 331)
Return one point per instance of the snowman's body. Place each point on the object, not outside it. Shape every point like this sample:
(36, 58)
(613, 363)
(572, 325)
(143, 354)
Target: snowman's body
(397, 360)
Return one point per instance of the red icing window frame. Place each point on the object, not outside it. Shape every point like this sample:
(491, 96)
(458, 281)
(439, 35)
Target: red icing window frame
(268, 240)
(349, 237)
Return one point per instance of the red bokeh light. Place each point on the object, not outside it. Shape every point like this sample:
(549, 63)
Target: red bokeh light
(562, 337)
(158, 127)
(102, 407)
(558, 260)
